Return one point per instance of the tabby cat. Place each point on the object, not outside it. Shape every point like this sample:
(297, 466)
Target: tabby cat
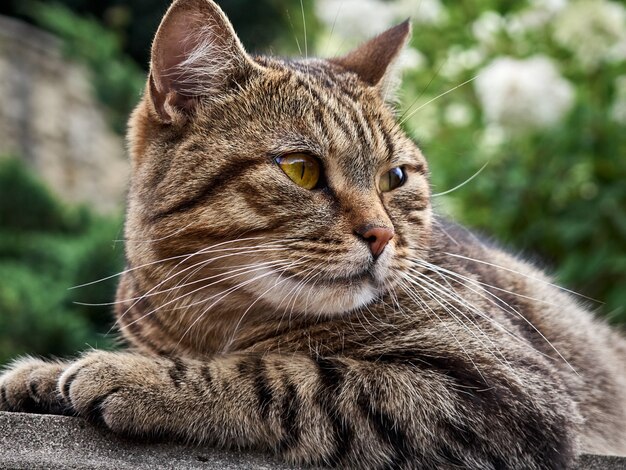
(289, 288)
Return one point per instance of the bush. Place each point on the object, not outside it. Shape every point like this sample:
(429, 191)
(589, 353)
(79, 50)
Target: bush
(46, 248)
(117, 80)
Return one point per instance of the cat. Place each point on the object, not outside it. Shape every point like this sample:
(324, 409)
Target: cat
(290, 289)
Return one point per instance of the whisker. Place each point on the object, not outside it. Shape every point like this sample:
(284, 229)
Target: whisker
(305, 273)
(410, 115)
(259, 297)
(439, 300)
(302, 285)
(311, 287)
(293, 30)
(170, 276)
(418, 301)
(521, 316)
(459, 186)
(306, 46)
(204, 263)
(137, 240)
(434, 267)
(155, 262)
(332, 30)
(151, 293)
(432, 78)
(522, 274)
(225, 294)
(193, 292)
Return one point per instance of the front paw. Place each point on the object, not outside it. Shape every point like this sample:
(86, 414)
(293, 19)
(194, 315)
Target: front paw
(118, 390)
(30, 386)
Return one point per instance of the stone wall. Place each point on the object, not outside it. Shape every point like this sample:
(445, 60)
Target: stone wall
(50, 117)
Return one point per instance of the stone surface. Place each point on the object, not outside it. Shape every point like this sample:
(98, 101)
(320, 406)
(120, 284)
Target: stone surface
(602, 462)
(51, 118)
(33, 442)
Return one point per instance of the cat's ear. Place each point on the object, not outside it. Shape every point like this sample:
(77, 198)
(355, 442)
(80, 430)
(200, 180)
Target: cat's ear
(195, 53)
(374, 61)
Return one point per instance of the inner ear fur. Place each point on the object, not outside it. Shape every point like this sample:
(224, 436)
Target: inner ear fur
(195, 52)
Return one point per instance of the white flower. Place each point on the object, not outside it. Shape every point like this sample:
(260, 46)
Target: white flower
(591, 29)
(526, 21)
(491, 139)
(618, 109)
(552, 6)
(355, 20)
(533, 18)
(422, 11)
(487, 27)
(458, 114)
(459, 60)
(617, 53)
(523, 94)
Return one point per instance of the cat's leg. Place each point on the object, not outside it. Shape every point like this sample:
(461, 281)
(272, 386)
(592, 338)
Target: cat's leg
(30, 385)
(337, 411)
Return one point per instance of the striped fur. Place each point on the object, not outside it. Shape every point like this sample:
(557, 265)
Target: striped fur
(258, 317)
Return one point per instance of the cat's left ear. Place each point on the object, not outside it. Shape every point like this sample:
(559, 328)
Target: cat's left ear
(374, 61)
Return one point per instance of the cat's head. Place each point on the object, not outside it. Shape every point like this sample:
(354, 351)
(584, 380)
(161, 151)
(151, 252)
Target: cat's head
(289, 181)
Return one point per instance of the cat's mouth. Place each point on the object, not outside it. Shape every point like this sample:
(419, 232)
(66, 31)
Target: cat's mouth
(366, 272)
(364, 276)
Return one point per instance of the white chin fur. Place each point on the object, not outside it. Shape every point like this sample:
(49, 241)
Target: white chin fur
(293, 296)
(311, 298)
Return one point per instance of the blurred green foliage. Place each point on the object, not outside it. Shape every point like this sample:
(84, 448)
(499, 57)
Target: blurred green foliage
(45, 249)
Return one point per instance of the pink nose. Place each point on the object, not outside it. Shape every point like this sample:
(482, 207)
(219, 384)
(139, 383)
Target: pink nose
(377, 237)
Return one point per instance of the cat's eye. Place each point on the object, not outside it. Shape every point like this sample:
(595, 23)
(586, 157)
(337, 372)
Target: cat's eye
(302, 169)
(393, 179)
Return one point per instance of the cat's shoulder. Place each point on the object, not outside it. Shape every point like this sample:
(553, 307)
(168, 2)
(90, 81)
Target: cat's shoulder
(461, 249)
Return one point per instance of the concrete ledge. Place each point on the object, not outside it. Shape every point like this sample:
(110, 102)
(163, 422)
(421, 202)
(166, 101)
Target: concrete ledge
(33, 442)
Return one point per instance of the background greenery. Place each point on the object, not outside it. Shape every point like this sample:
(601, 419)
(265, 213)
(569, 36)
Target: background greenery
(555, 193)
(45, 249)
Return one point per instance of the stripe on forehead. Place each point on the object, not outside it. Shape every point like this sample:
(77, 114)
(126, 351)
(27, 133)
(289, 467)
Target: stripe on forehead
(358, 139)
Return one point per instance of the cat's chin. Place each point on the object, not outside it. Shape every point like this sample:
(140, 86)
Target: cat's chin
(341, 300)
(321, 298)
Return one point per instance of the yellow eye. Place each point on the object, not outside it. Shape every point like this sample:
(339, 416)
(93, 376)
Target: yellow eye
(393, 179)
(302, 169)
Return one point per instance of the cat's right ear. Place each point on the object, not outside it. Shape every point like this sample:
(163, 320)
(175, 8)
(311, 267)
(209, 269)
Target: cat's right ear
(195, 53)
(374, 62)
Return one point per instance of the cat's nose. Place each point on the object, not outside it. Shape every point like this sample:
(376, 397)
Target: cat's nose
(377, 237)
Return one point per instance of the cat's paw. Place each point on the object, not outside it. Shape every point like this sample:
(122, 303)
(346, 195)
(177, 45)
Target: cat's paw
(118, 390)
(29, 385)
